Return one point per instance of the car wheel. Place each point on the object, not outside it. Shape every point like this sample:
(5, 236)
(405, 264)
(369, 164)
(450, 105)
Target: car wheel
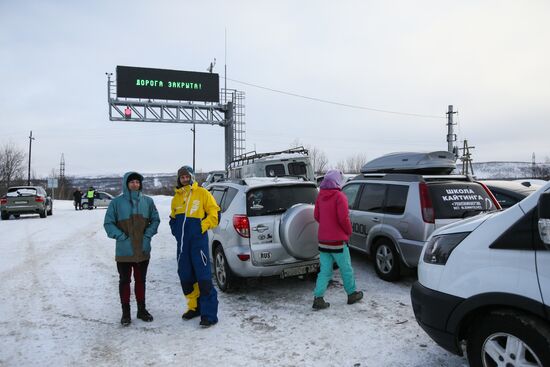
(50, 212)
(509, 338)
(42, 213)
(386, 260)
(223, 275)
(16, 215)
(5, 215)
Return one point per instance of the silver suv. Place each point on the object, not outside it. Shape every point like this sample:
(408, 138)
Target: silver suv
(392, 215)
(25, 200)
(266, 229)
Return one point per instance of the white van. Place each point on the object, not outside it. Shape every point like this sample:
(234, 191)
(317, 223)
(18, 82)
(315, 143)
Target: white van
(484, 285)
(293, 162)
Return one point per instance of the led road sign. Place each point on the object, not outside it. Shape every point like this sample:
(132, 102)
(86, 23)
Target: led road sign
(134, 82)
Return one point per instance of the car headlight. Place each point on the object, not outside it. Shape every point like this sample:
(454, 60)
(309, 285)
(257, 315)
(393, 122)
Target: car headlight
(439, 248)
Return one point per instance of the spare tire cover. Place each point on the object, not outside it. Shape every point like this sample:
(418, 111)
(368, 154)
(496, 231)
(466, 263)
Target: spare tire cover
(298, 232)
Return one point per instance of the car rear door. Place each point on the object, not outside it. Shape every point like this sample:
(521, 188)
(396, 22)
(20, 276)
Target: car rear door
(21, 198)
(368, 214)
(265, 205)
(456, 200)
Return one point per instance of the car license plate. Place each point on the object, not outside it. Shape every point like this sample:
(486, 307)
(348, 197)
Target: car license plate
(299, 270)
(20, 202)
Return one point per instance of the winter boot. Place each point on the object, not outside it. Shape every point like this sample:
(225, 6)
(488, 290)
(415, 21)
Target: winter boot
(143, 314)
(126, 318)
(191, 314)
(355, 297)
(206, 323)
(319, 303)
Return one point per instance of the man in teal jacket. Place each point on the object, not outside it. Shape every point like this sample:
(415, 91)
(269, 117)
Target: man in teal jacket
(132, 219)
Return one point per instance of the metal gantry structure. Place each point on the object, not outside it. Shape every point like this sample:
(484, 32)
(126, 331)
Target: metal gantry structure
(229, 113)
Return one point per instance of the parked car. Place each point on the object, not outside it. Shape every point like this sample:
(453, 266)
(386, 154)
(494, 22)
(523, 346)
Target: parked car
(392, 215)
(266, 228)
(26, 200)
(293, 162)
(484, 286)
(508, 193)
(102, 199)
(214, 176)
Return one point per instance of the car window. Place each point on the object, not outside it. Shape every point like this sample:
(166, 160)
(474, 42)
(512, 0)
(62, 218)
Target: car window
(396, 198)
(276, 200)
(218, 194)
(275, 170)
(372, 198)
(351, 191)
(453, 200)
(504, 200)
(297, 169)
(229, 196)
(22, 191)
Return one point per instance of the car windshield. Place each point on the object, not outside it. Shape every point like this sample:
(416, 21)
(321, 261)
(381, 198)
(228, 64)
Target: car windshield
(453, 200)
(277, 199)
(22, 191)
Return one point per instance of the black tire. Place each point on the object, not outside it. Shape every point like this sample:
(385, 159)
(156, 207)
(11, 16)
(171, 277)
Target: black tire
(386, 260)
(494, 331)
(5, 215)
(16, 215)
(225, 279)
(42, 213)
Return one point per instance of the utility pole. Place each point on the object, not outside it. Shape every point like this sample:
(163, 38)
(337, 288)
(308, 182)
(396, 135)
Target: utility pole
(451, 136)
(467, 159)
(62, 176)
(30, 149)
(193, 130)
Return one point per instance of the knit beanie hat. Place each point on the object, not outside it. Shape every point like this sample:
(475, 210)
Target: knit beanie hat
(333, 180)
(186, 170)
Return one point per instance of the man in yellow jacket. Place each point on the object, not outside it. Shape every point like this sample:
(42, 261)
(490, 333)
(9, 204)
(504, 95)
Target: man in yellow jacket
(194, 212)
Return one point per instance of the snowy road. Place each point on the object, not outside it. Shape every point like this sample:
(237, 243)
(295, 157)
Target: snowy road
(59, 306)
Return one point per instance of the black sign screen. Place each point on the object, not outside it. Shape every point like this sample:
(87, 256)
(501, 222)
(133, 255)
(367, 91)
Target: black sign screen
(177, 85)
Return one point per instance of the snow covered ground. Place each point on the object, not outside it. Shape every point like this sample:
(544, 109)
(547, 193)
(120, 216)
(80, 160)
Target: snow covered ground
(59, 306)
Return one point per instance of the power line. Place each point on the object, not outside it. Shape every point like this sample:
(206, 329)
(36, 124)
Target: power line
(336, 103)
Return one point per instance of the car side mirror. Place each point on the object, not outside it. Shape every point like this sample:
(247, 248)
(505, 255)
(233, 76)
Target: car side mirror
(544, 218)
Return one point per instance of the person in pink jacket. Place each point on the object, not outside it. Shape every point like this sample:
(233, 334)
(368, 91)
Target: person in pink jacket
(331, 211)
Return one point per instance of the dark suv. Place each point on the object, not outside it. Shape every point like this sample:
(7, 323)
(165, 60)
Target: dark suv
(26, 200)
(392, 215)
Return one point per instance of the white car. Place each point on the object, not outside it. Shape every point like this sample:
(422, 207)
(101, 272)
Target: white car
(484, 285)
(102, 199)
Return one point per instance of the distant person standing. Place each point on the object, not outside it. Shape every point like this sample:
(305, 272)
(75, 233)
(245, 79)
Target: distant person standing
(331, 211)
(132, 219)
(77, 195)
(194, 212)
(90, 194)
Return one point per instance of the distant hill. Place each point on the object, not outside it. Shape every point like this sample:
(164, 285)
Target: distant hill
(508, 170)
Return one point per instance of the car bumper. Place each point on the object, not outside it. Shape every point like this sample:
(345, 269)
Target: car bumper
(432, 310)
(22, 209)
(248, 269)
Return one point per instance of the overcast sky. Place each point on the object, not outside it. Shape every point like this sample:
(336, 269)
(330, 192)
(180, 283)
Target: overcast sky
(490, 59)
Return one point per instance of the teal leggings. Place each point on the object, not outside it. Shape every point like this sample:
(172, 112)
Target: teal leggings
(343, 260)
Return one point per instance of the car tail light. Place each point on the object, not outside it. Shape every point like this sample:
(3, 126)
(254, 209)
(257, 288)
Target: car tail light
(495, 201)
(426, 205)
(39, 199)
(241, 225)
(3, 201)
(243, 257)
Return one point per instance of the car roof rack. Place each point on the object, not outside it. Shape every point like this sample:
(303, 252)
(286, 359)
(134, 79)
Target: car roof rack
(410, 177)
(252, 156)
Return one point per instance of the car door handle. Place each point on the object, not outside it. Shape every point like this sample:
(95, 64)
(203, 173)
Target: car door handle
(260, 228)
(377, 220)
